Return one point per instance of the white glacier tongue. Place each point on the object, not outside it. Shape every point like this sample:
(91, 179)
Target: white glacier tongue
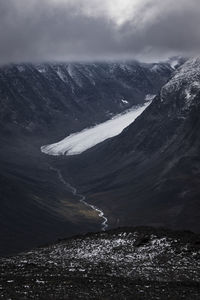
(79, 142)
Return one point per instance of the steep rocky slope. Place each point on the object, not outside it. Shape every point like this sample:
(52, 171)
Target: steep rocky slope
(127, 263)
(150, 173)
(62, 98)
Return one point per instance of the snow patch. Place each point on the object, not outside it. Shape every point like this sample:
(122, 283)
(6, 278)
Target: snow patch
(60, 75)
(125, 101)
(41, 69)
(174, 63)
(156, 68)
(149, 97)
(20, 68)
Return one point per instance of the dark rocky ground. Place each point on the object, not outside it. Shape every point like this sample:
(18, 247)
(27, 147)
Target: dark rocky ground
(125, 263)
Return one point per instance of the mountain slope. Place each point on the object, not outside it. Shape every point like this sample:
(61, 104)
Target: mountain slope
(149, 175)
(61, 98)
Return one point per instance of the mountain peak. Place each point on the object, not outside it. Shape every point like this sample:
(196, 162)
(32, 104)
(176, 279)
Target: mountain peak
(184, 85)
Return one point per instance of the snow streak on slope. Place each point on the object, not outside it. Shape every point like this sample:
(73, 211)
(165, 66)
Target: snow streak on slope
(79, 142)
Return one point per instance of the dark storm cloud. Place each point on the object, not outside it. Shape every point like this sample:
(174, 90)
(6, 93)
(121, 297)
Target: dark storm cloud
(50, 30)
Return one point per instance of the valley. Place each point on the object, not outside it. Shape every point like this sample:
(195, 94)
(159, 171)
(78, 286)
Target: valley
(99, 150)
(44, 103)
(149, 174)
(138, 168)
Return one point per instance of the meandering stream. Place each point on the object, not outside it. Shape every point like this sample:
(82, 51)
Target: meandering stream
(82, 198)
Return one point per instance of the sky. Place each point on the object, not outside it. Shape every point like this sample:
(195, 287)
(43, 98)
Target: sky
(93, 30)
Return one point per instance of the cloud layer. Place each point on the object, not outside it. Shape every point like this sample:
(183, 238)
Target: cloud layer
(88, 30)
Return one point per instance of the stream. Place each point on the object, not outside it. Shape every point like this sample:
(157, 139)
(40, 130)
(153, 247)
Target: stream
(82, 198)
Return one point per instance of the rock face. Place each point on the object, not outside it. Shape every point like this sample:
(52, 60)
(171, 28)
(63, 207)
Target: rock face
(41, 104)
(61, 98)
(150, 173)
(126, 263)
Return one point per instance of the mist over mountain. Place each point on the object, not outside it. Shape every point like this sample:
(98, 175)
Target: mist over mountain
(97, 30)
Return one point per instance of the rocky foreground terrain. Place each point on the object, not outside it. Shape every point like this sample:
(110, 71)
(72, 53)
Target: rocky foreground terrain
(125, 263)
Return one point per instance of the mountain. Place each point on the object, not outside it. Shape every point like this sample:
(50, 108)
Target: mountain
(61, 98)
(150, 173)
(40, 104)
(125, 263)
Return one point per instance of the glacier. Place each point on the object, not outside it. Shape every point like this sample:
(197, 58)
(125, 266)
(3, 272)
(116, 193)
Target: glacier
(79, 142)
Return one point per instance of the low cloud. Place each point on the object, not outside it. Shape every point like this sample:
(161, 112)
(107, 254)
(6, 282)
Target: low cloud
(91, 30)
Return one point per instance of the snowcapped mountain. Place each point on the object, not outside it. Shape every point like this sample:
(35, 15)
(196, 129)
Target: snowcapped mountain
(186, 82)
(149, 174)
